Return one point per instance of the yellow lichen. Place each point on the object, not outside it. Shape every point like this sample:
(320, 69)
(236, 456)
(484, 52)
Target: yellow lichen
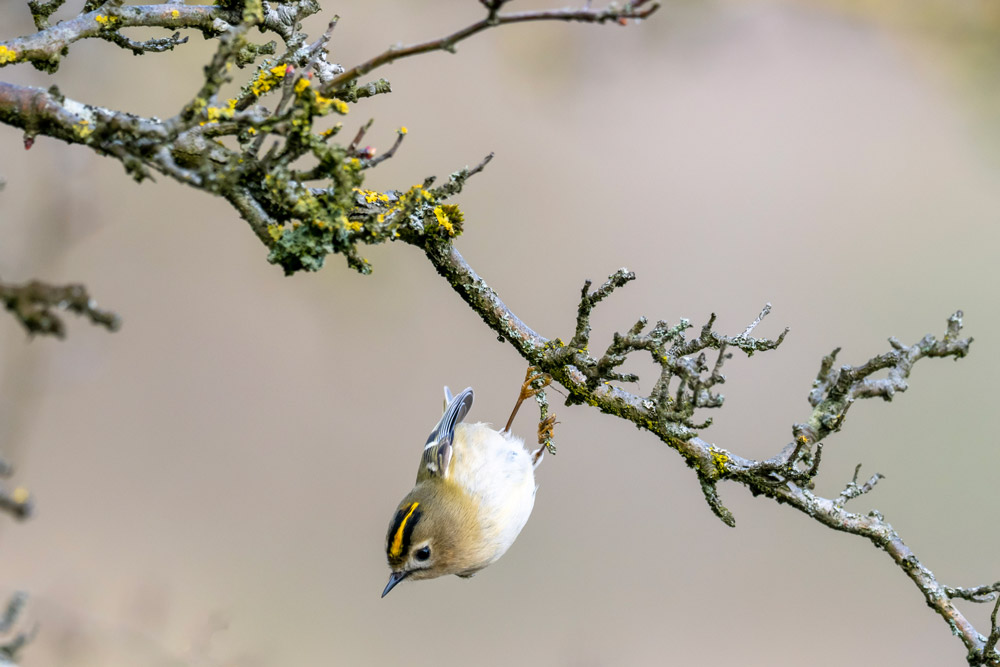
(83, 129)
(449, 218)
(403, 130)
(720, 458)
(268, 79)
(324, 104)
(107, 21)
(443, 220)
(174, 13)
(20, 495)
(7, 55)
(275, 231)
(372, 196)
(216, 114)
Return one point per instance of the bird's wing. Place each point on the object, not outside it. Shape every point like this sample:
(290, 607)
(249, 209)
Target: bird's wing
(437, 451)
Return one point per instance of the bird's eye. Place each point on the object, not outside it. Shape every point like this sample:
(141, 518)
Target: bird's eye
(423, 553)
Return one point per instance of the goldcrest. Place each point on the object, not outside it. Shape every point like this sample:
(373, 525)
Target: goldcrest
(475, 490)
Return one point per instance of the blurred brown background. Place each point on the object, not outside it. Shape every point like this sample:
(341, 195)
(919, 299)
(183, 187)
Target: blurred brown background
(214, 481)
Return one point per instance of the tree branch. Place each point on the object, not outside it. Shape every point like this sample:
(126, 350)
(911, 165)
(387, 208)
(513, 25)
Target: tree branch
(787, 477)
(10, 648)
(46, 48)
(299, 222)
(635, 10)
(34, 304)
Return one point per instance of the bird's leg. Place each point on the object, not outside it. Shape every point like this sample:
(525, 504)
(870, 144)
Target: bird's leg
(527, 390)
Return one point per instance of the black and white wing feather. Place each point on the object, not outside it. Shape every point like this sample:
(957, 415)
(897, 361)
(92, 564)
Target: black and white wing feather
(437, 451)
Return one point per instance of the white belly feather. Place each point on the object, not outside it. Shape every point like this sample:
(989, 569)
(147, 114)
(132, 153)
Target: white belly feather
(496, 468)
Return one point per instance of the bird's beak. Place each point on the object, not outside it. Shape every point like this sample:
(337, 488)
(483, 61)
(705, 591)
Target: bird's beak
(394, 579)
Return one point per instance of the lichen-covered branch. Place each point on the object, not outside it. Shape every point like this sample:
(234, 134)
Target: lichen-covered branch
(273, 153)
(36, 306)
(686, 385)
(299, 190)
(46, 48)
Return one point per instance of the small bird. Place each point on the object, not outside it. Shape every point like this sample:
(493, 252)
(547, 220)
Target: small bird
(475, 490)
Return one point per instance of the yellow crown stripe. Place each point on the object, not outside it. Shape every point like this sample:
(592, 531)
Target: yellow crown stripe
(396, 549)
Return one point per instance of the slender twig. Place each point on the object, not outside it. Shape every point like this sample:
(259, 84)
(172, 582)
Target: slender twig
(852, 490)
(155, 45)
(352, 148)
(379, 159)
(986, 593)
(585, 15)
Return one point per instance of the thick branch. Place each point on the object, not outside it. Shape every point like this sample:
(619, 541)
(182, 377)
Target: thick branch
(485, 302)
(45, 48)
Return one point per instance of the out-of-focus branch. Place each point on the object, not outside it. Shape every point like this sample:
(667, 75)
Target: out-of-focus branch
(36, 304)
(17, 502)
(10, 648)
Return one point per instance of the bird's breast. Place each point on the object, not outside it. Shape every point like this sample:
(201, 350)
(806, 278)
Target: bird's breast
(496, 471)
